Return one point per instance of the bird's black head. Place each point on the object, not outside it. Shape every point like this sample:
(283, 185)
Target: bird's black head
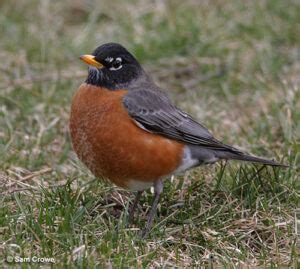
(112, 67)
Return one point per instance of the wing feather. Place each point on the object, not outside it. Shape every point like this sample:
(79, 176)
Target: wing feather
(156, 113)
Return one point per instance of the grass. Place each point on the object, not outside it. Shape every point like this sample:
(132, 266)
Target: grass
(234, 66)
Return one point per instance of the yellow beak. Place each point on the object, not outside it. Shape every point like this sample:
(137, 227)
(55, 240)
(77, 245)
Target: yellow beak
(90, 60)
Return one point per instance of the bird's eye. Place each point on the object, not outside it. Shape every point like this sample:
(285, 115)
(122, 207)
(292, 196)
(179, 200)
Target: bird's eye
(116, 64)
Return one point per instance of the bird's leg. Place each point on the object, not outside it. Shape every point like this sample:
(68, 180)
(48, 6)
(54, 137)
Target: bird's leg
(133, 207)
(158, 188)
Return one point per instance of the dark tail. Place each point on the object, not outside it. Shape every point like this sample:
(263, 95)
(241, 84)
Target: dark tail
(248, 158)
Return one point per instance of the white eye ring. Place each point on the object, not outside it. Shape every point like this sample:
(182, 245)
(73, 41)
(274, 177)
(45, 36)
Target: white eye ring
(113, 68)
(119, 67)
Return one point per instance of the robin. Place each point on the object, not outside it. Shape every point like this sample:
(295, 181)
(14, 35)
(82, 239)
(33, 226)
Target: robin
(125, 129)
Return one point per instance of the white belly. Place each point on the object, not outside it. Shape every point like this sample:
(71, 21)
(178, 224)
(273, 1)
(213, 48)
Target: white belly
(136, 185)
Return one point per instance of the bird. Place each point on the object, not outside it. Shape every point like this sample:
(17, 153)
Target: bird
(126, 129)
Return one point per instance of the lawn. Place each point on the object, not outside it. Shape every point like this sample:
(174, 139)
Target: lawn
(233, 65)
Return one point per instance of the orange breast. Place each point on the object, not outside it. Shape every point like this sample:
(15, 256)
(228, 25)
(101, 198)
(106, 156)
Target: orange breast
(111, 145)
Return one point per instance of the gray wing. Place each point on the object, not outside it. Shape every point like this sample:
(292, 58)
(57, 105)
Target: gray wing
(154, 111)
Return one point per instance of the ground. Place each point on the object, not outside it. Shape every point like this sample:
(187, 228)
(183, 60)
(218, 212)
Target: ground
(233, 65)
